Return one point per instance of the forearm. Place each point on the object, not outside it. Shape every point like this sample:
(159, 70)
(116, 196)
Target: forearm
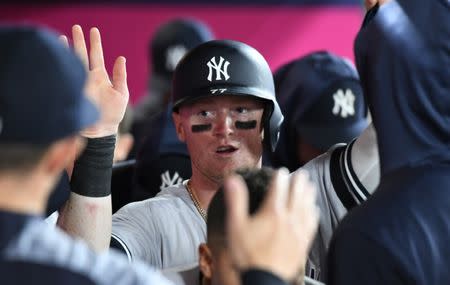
(87, 213)
(88, 218)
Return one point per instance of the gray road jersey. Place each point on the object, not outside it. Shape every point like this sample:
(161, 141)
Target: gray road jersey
(331, 212)
(39, 242)
(339, 189)
(164, 231)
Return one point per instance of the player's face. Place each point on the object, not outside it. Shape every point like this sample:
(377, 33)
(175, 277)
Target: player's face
(217, 268)
(222, 134)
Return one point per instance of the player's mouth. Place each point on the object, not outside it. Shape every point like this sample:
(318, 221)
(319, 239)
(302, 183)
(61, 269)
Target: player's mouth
(226, 149)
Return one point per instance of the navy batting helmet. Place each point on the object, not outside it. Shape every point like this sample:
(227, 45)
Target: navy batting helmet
(225, 67)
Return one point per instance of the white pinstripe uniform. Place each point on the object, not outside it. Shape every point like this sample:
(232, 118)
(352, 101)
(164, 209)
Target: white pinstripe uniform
(166, 231)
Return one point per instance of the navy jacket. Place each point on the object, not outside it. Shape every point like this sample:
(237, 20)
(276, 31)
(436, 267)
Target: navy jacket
(402, 234)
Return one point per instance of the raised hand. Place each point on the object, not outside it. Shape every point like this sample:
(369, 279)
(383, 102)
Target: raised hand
(369, 4)
(278, 237)
(110, 96)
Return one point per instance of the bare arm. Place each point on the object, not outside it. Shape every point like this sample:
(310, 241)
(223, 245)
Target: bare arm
(87, 218)
(87, 213)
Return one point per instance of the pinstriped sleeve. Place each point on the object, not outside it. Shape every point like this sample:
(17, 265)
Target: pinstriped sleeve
(134, 232)
(338, 191)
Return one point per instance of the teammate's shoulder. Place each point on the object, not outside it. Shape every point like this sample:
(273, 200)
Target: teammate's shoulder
(172, 196)
(336, 146)
(173, 190)
(50, 246)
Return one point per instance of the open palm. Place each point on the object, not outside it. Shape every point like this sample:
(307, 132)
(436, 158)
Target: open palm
(110, 96)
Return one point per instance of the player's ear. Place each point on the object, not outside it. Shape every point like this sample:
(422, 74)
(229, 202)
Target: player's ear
(178, 126)
(205, 263)
(56, 158)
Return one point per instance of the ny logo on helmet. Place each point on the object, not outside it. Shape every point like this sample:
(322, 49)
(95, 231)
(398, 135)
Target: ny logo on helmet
(345, 102)
(221, 68)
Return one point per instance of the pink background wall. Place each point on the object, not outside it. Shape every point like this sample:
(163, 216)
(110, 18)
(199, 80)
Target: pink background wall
(279, 33)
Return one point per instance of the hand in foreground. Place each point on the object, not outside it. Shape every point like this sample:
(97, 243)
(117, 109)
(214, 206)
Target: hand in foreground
(278, 237)
(369, 4)
(111, 97)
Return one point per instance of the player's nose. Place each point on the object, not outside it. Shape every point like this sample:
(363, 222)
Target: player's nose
(223, 125)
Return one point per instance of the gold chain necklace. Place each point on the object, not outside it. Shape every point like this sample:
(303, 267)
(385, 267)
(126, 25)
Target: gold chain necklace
(195, 200)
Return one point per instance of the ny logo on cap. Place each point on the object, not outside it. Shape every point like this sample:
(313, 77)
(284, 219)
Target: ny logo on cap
(344, 103)
(221, 68)
(173, 56)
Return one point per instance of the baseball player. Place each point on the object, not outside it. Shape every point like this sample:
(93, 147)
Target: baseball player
(35, 139)
(226, 112)
(401, 235)
(323, 104)
(43, 109)
(171, 41)
(156, 165)
(217, 263)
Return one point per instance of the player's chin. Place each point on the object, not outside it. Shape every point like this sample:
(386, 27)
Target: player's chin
(239, 164)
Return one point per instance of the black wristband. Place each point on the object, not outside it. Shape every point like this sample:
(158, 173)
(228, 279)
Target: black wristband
(92, 171)
(261, 277)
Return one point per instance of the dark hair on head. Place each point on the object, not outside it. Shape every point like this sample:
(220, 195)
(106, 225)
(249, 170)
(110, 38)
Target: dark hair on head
(257, 181)
(20, 157)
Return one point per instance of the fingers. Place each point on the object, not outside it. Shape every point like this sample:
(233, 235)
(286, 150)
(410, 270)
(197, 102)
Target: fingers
(299, 180)
(302, 203)
(96, 51)
(63, 39)
(95, 58)
(309, 223)
(370, 3)
(236, 199)
(119, 79)
(79, 45)
(306, 204)
(277, 193)
(302, 207)
(304, 193)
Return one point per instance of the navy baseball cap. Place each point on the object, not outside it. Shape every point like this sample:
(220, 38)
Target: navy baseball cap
(169, 44)
(41, 88)
(322, 98)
